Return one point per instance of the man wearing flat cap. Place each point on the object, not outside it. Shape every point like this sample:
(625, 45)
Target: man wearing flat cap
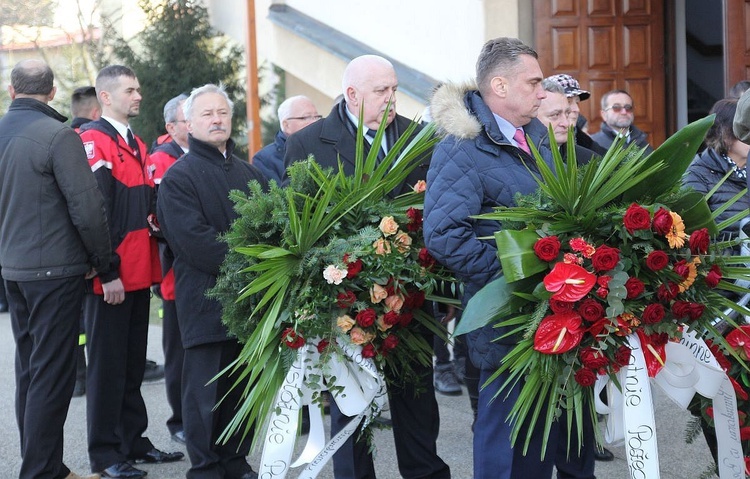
(576, 95)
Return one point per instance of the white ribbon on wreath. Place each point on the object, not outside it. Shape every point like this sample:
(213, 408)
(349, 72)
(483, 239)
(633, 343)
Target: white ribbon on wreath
(360, 391)
(689, 367)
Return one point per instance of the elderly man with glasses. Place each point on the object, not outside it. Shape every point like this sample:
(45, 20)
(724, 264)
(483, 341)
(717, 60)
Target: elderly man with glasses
(294, 114)
(617, 116)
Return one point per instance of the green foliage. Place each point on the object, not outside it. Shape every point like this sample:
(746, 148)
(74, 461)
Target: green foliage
(178, 51)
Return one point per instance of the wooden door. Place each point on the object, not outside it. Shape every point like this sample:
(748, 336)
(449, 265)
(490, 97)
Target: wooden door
(736, 41)
(606, 45)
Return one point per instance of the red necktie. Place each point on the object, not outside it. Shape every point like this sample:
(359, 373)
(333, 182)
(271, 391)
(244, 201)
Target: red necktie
(520, 138)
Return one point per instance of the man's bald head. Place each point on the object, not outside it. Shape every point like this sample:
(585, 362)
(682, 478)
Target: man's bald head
(369, 83)
(32, 78)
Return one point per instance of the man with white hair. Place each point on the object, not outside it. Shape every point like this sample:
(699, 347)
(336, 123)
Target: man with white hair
(294, 113)
(370, 85)
(194, 208)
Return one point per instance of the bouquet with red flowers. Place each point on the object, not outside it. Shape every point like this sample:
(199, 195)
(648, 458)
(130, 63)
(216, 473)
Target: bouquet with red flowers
(325, 285)
(605, 269)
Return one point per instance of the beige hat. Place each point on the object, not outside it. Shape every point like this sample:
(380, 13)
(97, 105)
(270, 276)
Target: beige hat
(741, 125)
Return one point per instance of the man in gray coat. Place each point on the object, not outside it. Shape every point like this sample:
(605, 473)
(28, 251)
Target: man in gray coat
(53, 235)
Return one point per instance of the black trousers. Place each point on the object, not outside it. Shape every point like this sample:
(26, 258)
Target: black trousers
(116, 342)
(203, 425)
(174, 355)
(44, 316)
(416, 424)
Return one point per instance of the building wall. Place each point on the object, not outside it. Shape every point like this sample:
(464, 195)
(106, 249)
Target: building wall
(440, 38)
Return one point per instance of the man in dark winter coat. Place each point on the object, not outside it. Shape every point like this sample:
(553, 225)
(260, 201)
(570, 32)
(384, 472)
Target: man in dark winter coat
(369, 85)
(482, 163)
(53, 233)
(617, 121)
(294, 114)
(194, 209)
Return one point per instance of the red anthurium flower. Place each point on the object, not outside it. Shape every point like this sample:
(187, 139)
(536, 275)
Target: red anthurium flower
(745, 433)
(569, 282)
(653, 351)
(740, 338)
(741, 393)
(559, 333)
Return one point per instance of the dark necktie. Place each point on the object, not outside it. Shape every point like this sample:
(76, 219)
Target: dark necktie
(133, 144)
(381, 154)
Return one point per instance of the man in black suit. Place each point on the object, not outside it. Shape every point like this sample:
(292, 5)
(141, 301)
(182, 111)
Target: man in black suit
(369, 85)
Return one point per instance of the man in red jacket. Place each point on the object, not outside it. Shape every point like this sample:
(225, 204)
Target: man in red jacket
(116, 311)
(163, 157)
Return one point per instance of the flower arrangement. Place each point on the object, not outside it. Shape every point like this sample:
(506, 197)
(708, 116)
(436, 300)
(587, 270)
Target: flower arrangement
(600, 257)
(733, 356)
(326, 280)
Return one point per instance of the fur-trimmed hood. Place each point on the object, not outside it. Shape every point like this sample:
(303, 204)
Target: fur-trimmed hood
(450, 113)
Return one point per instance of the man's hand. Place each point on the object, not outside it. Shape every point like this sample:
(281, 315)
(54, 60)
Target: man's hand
(114, 292)
(450, 313)
(92, 272)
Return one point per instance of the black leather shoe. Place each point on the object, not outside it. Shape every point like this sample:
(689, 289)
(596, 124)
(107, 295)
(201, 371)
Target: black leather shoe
(123, 470)
(155, 456)
(79, 389)
(603, 454)
(153, 372)
(179, 436)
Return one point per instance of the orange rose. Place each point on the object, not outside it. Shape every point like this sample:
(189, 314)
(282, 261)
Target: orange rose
(402, 242)
(394, 302)
(388, 225)
(345, 322)
(382, 247)
(358, 335)
(377, 293)
(381, 324)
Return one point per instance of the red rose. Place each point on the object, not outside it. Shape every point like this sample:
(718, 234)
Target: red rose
(636, 218)
(657, 260)
(681, 268)
(593, 358)
(322, 345)
(605, 258)
(390, 342)
(368, 351)
(391, 318)
(603, 280)
(346, 299)
(558, 306)
(695, 310)
(585, 377)
(602, 292)
(699, 241)
(622, 356)
(667, 292)
(681, 309)
(710, 411)
(634, 287)
(366, 317)
(415, 219)
(414, 299)
(425, 259)
(547, 248)
(653, 313)
(713, 277)
(353, 268)
(291, 338)
(662, 223)
(591, 310)
(404, 319)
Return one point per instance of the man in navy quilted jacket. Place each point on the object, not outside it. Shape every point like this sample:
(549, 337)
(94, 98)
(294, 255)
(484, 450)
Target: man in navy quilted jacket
(481, 163)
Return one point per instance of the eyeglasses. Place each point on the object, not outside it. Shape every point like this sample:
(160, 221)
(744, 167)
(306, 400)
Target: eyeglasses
(618, 108)
(306, 118)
